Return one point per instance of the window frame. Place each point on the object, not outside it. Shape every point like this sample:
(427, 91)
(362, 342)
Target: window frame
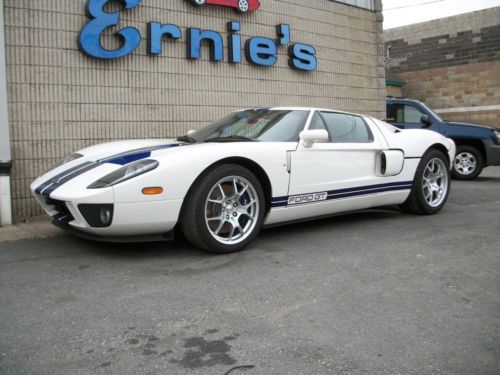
(371, 138)
(404, 105)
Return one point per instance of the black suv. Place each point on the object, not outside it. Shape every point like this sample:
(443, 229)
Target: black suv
(477, 146)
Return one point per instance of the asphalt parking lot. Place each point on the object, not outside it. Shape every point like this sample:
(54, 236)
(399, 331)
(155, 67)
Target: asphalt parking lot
(377, 292)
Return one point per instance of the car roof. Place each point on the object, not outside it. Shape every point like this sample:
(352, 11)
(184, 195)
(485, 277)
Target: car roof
(403, 100)
(307, 109)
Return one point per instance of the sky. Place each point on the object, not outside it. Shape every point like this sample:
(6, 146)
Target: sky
(408, 14)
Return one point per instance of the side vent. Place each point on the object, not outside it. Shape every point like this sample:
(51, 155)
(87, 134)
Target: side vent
(390, 162)
(383, 163)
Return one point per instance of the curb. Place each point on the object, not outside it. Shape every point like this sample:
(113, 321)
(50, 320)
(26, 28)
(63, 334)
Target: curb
(28, 231)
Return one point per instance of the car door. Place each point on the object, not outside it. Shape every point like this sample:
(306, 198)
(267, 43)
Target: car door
(343, 167)
(407, 116)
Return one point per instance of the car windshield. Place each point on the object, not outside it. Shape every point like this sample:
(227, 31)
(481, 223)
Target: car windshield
(431, 111)
(264, 125)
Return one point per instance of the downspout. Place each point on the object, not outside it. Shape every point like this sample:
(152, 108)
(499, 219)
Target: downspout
(5, 155)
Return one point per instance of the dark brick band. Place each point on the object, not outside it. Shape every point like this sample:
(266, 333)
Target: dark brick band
(446, 50)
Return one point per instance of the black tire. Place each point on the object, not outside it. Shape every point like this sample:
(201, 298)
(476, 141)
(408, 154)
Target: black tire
(429, 192)
(210, 217)
(468, 163)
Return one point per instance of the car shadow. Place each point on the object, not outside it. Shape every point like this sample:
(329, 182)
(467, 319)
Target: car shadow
(487, 179)
(181, 249)
(135, 250)
(338, 221)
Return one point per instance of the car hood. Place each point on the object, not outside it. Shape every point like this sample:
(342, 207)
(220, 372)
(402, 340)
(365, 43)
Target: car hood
(100, 160)
(121, 149)
(466, 125)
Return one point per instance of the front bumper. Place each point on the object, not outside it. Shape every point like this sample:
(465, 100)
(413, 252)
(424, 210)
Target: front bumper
(167, 236)
(129, 220)
(492, 152)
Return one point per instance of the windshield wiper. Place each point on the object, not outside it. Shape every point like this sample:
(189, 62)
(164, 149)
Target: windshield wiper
(232, 138)
(186, 138)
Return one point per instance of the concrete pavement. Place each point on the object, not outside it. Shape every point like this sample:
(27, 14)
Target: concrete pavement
(377, 292)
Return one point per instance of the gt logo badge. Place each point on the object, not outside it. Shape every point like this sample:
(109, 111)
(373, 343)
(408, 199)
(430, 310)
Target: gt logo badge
(242, 6)
(307, 198)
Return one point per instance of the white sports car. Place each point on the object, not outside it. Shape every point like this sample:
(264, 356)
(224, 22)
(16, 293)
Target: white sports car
(252, 168)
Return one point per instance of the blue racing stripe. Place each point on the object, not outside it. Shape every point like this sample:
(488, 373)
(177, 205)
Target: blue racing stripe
(129, 158)
(134, 155)
(347, 193)
(61, 175)
(67, 177)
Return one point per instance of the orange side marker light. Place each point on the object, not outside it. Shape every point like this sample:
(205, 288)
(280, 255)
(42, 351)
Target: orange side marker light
(152, 190)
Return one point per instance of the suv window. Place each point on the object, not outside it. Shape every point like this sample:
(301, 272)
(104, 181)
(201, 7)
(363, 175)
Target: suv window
(342, 127)
(406, 113)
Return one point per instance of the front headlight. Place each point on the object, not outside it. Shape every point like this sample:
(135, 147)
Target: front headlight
(125, 173)
(497, 134)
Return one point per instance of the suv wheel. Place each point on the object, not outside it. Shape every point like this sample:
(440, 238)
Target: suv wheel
(468, 163)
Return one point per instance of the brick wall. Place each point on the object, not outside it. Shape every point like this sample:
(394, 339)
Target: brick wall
(453, 90)
(453, 64)
(61, 100)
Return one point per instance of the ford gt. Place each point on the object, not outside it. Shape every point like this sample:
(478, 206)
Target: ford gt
(253, 168)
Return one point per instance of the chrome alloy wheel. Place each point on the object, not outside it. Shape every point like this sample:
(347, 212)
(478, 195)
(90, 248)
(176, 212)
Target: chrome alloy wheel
(435, 182)
(465, 163)
(243, 5)
(232, 210)
(199, 2)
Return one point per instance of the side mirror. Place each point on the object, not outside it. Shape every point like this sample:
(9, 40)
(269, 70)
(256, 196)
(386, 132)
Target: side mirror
(425, 120)
(310, 137)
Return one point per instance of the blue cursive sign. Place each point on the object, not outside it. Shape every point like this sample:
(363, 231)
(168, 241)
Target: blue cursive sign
(259, 50)
(89, 39)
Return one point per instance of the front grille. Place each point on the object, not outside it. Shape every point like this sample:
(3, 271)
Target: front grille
(62, 215)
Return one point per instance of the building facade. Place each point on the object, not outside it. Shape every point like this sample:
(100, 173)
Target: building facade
(71, 82)
(452, 64)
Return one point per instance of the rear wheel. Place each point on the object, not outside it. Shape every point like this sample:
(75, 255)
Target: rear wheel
(431, 185)
(199, 2)
(224, 211)
(468, 163)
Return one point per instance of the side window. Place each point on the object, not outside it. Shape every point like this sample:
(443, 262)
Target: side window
(412, 114)
(346, 128)
(406, 113)
(317, 122)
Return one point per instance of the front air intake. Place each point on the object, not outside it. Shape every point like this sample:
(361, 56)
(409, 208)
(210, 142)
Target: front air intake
(97, 215)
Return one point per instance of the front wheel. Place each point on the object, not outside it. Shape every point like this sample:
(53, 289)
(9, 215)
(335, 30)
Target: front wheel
(243, 6)
(224, 210)
(431, 185)
(199, 2)
(468, 163)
